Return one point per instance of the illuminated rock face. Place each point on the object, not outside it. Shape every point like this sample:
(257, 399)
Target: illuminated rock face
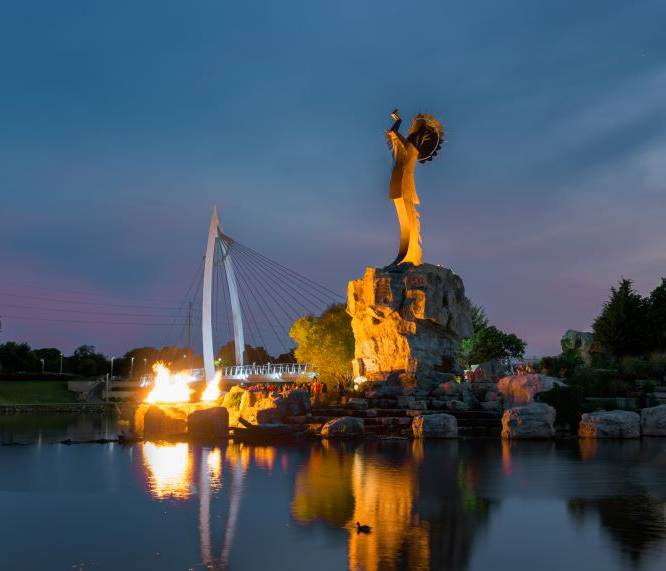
(521, 389)
(408, 320)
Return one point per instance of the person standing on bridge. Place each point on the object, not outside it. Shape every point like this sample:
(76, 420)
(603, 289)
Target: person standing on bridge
(316, 390)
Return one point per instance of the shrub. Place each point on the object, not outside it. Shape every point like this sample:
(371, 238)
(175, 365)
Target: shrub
(232, 399)
(560, 366)
(567, 402)
(658, 362)
(633, 368)
(599, 382)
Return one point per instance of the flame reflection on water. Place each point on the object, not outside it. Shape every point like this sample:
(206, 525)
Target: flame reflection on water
(168, 469)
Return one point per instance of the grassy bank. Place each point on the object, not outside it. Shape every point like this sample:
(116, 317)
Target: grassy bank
(35, 392)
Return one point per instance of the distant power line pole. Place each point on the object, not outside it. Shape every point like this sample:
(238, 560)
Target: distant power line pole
(189, 324)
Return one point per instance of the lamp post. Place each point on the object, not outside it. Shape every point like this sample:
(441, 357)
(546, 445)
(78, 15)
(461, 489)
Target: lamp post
(42, 361)
(131, 367)
(61, 363)
(112, 359)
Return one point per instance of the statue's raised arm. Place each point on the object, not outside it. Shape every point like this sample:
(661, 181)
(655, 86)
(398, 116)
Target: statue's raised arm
(422, 143)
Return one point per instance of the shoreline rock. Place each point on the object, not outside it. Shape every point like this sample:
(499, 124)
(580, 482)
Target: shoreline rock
(532, 421)
(610, 424)
(653, 421)
(343, 427)
(438, 425)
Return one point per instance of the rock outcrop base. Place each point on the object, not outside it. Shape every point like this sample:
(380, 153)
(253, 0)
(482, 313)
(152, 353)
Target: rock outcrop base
(408, 320)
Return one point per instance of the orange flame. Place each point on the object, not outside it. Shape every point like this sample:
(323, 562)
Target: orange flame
(212, 391)
(169, 387)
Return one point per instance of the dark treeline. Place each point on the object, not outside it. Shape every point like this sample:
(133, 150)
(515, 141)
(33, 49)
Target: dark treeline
(630, 324)
(86, 361)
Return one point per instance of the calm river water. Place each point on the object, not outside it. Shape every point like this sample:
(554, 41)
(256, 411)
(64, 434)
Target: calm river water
(478, 504)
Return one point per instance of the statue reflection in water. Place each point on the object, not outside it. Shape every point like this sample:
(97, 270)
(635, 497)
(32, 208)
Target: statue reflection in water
(419, 519)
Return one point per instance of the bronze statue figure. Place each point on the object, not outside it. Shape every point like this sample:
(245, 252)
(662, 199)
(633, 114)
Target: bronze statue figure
(424, 139)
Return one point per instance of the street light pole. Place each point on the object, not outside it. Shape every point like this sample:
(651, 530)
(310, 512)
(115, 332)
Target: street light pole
(131, 367)
(61, 363)
(42, 360)
(112, 359)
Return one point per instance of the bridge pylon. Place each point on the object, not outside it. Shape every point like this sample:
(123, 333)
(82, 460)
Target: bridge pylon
(215, 236)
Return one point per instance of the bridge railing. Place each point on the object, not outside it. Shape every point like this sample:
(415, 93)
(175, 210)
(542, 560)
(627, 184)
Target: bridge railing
(266, 370)
(269, 369)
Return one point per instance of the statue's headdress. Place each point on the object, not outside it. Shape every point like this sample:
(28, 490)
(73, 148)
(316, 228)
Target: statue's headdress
(427, 135)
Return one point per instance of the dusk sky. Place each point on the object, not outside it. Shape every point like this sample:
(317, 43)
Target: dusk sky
(124, 123)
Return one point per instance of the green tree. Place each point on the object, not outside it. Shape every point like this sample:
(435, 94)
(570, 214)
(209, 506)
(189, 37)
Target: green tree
(85, 361)
(51, 357)
(488, 342)
(656, 320)
(621, 328)
(17, 357)
(226, 354)
(326, 342)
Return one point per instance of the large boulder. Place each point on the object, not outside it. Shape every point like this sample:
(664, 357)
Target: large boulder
(408, 320)
(519, 390)
(612, 424)
(298, 402)
(531, 421)
(653, 421)
(343, 427)
(161, 421)
(261, 409)
(438, 425)
(391, 387)
(490, 370)
(210, 423)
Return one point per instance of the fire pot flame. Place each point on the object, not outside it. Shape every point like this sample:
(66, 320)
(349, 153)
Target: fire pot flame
(212, 391)
(169, 387)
